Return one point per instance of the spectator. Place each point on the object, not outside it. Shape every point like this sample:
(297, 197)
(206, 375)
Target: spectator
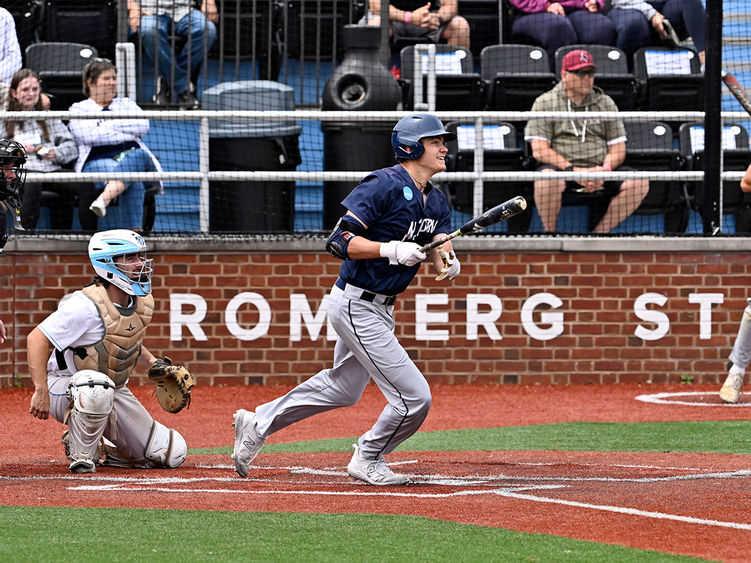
(579, 145)
(49, 145)
(568, 22)
(10, 53)
(156, 20)
(633, 18)
(108, 145)
(431, 21)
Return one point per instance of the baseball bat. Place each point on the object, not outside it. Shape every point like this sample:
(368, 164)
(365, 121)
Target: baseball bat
(499, 213)
(737, 90)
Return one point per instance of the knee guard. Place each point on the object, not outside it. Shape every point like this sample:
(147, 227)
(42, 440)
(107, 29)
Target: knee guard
(92, 399)
(166, 447)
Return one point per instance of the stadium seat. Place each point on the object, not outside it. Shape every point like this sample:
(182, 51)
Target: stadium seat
(501, 153)
(612, 74)
(736, 157)
(671, 79)
(93, 22)
(60, 66)
(515, 75)
(458, 87)
(650, 147)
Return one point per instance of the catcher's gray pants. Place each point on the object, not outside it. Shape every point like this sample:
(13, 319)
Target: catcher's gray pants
(131, 428)
(741, 353)
(366, 348)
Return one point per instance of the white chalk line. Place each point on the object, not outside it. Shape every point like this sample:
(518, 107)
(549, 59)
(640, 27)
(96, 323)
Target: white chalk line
(631, 511)
(661, 399)
(515, 488)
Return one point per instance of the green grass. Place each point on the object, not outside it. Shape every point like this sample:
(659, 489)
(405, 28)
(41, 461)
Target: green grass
(705, 436)
(109, 534)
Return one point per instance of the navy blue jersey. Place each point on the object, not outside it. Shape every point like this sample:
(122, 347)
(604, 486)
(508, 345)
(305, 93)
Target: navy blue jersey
(391, 206)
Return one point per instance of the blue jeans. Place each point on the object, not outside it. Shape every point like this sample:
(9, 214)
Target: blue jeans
(551, 31)
(634, 31)
(128, 213)
(193, 28)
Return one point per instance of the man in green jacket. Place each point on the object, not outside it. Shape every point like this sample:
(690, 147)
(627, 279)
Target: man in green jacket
(581, 144)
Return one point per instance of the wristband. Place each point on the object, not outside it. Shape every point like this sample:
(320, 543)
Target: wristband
(407, 17)
(607, 167)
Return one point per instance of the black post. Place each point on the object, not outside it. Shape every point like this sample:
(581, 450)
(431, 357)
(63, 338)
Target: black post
(711, 199)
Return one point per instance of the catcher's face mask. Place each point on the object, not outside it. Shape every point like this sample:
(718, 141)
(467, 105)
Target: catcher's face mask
(12, 176)
(119, 256)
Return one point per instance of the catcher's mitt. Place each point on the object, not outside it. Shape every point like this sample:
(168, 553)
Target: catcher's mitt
(174, 384)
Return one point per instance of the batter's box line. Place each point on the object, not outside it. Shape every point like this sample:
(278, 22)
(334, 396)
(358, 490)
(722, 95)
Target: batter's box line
(438, 479)
(504, 492)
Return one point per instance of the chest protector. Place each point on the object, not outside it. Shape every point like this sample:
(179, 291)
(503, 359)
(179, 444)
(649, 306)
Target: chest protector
(117, 353)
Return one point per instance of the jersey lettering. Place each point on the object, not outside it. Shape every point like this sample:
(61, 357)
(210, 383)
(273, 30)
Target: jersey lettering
(424, 225)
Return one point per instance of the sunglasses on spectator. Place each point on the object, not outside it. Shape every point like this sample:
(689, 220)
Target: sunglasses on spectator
(583, 72)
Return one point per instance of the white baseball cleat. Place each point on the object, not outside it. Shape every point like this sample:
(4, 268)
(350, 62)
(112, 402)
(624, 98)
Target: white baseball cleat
(248, 442)
(731, 389)
(373, 471)
(82, 466)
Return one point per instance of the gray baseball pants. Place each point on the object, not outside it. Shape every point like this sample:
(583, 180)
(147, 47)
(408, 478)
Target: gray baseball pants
(741, 354)
(366, 348)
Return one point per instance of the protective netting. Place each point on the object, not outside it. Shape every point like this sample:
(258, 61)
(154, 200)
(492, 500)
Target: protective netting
(261, 115)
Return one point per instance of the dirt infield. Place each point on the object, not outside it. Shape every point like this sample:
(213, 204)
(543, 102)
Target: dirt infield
(645, 500)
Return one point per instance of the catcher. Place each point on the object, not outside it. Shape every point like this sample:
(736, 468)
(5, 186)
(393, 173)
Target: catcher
(97, 334)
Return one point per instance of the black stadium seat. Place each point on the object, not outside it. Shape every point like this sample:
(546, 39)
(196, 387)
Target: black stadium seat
(501, 153)
(736, 156)
(458, 87)
(650, 147)
(671, 79)
(515, 75)
(60, 66)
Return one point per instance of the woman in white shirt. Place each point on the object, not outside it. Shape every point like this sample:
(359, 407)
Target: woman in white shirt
(112, 145)
(49, 146)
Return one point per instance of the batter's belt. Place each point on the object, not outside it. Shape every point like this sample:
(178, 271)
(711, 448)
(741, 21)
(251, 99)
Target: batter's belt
(354, 292)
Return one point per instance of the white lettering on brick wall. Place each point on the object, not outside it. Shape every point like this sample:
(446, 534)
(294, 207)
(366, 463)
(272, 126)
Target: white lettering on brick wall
(264, 316)
(483, 311)
(657, 317)
(486, 319)
(554, 319)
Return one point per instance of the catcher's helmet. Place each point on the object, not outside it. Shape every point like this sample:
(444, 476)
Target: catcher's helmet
(12, 157)
(408, 132)
(106, 245)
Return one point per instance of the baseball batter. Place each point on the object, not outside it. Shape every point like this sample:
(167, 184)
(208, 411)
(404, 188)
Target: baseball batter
(12, 159)
(390, 215)
(97, 335)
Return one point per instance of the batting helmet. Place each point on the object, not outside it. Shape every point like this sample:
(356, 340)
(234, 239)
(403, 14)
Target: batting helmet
(106, 245)
(12, 157)
(411, 129)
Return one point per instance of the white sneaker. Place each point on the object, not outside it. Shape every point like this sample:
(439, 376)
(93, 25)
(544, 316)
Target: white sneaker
(82, 466)
(248, 442)
(731, 389)
(373, 471)
(98, 208)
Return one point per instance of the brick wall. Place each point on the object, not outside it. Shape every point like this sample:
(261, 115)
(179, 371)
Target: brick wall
(601, 338)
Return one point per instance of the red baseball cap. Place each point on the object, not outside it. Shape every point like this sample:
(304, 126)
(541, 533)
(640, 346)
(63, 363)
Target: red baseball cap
(574, 60)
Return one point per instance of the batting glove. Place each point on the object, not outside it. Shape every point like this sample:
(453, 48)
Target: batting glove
(400, 252)
(451, 266)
